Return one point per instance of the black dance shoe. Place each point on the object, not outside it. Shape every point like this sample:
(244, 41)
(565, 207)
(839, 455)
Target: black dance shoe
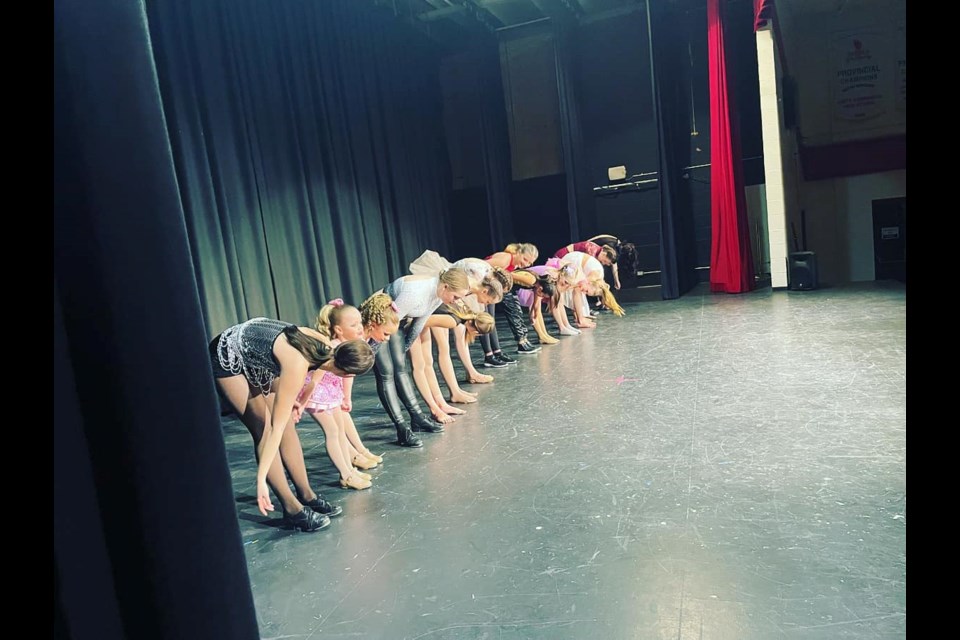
(323, 507)
(421, 423)
(525, 348)
(493, 361)
(307, 520)
(407, 438)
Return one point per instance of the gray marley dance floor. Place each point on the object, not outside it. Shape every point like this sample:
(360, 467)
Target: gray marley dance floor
(713, 467)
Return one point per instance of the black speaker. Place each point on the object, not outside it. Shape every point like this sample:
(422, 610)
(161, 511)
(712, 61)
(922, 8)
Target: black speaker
(802, 271)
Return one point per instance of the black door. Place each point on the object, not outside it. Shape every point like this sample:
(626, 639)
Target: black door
(890, 239)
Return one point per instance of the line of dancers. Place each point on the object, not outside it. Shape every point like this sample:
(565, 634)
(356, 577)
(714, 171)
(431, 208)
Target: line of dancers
(270, 372)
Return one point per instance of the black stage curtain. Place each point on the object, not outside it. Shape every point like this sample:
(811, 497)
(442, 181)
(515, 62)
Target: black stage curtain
(581, 207)
(309, 149)
(495, 140)
(672, 108)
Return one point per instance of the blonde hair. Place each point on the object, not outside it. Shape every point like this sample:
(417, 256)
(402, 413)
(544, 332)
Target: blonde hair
(493, 288)
(523, 249)
(567, 274)
(483, 322)
(330, 315)
(455, 279)
(378, 310)
(609, 301)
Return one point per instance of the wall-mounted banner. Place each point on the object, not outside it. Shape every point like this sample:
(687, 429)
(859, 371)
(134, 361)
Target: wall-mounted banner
(900, 88)
(858, 92)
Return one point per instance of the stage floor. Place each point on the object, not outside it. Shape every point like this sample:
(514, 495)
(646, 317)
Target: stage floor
(714, 467)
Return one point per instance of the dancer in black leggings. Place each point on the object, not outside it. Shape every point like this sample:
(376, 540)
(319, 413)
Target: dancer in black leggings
(514, 256)
(416, 298)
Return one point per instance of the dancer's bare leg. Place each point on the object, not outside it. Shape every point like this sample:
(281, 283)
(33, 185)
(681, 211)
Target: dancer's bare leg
(582, 311)
(441, 336)
(426, 341)
(335, 442)
(418, 364)
(560, 315)
(254, 414)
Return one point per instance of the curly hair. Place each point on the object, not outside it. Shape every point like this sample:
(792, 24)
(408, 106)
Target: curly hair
(378, 309)
(503, 277)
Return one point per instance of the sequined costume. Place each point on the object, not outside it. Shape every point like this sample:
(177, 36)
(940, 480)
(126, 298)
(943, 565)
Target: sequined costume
(247, 348)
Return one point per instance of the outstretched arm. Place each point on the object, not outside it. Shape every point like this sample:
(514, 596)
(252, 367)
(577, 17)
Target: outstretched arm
(463, 351)
(536, 319)
(442, 338)
(304, 396)
(347, 403)
(441, 321)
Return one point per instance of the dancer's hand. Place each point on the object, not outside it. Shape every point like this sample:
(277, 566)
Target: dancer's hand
(263, 497)
(296, 412)
(346, 405)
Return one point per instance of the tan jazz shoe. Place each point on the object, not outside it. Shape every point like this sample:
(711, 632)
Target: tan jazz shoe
(372, 456)
(355, 482)
(365, 476)
(362, 462)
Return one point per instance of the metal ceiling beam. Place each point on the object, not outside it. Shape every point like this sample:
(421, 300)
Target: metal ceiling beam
(462, 11)
(612, 13)
(444, 12)
(568, 10)
(481, 15)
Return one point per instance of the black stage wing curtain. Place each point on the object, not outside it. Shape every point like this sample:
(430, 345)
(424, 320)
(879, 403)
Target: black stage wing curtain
(495, 140)
(581, 207)
(146, 540)
(672, 108)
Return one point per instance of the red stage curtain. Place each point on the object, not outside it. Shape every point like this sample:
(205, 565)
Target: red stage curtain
(731, 262)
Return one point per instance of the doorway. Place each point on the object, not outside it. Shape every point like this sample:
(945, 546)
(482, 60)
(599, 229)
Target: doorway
(890, 239)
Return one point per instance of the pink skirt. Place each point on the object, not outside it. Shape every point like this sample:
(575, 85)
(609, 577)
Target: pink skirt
(327, 395)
